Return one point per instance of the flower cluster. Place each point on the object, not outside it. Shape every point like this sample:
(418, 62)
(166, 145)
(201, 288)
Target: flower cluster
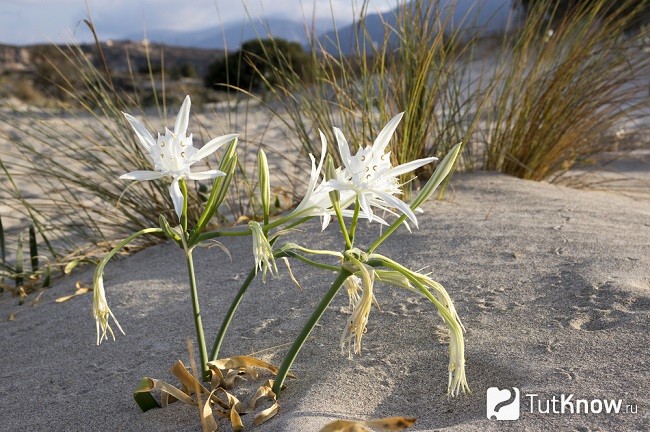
(365, 185)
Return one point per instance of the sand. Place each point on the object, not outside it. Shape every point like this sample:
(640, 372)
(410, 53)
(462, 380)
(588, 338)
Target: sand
(552, 284)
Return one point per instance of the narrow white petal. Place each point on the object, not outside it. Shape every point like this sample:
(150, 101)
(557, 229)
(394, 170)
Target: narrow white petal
(386, 133)
(141, 175)
(335, 184)
(326, 220)
(212, 146)
(205, 175)
(323, 153)
(409, 166)
(344, 148)
(177, 197)
(183, 118)
(399, 204)
(144, 136)
(375, 218)
(365, 206)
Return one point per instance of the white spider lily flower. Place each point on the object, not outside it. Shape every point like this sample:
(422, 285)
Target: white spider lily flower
(316, 201)
(262, 251)
(101, 311)
(356, 325)
(172, 154)
(370, 175)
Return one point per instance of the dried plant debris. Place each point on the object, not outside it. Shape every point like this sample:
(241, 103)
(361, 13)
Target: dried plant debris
(80, 290)
(221, 401)
(383, 424)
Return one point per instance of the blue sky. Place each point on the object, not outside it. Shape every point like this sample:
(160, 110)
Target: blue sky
(35, 21)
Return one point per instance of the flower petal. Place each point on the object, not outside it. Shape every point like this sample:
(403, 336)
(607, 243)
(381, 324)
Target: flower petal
(336, 184)
(144, 136)
(399, 204)
(205, 175)
(386, 133)
(177, 197)
(326, 221)
(344, 148)
(365, 206)
(212, 146)
(409, 166)
(183, 118)
(141, 175)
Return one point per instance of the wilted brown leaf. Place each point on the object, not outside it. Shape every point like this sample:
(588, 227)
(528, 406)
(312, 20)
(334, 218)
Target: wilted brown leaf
(266, 414)
(384, 424)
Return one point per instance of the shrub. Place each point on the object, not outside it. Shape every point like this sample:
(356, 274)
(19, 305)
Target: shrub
(251, 67)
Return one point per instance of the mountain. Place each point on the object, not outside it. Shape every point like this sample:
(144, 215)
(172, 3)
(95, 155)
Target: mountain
(469, 17)
(232, 35)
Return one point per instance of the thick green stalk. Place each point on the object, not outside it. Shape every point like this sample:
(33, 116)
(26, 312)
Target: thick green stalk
(391, 229)
(197, 316)
(355, 219)
(311, 262)
(231, 312)
(306, 330)
(344, 230)
(214, 234)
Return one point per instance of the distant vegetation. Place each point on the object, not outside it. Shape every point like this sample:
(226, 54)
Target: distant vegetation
(254, 66)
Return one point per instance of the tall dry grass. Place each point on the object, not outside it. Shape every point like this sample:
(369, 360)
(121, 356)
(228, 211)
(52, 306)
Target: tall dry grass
(531, 103)
(562, 85)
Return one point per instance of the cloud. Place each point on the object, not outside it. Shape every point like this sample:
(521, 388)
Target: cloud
(28, 21)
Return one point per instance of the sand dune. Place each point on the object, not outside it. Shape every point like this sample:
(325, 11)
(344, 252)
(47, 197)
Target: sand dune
(552, 284)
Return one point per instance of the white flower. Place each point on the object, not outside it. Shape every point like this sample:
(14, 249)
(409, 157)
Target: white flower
(262, 251)
(370, 175)
(173, 154)
(101, 311)
(316, 201)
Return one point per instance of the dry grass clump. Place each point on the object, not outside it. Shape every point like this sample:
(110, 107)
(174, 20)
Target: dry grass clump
(548, 96)
(563, 83)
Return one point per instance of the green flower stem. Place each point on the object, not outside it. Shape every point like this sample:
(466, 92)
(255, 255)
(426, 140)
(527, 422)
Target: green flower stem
(288, 227)
(344, 230)
(444, 312)
(214, 234)
(229, 315)
(120, 245)
(355, 219)
(391, 229)
(306, 330)
(310, 262)
(205, 373)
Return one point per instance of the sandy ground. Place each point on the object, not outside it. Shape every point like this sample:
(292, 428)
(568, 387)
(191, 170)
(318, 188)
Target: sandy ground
(552, 283)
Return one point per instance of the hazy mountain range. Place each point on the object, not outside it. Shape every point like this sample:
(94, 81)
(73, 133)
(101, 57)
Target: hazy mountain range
(483, 16)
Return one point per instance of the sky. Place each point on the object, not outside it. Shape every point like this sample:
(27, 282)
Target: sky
(25, 22)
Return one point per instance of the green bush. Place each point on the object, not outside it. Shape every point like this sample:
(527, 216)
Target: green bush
(251, 67)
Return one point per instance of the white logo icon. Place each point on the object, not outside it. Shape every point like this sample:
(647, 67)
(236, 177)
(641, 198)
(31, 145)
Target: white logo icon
(503, 404)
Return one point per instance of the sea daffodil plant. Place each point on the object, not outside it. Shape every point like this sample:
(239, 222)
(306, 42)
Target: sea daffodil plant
(366, 185)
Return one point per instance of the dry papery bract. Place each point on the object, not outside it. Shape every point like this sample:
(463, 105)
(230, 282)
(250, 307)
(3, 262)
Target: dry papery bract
(220, 398)
(382, 424)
